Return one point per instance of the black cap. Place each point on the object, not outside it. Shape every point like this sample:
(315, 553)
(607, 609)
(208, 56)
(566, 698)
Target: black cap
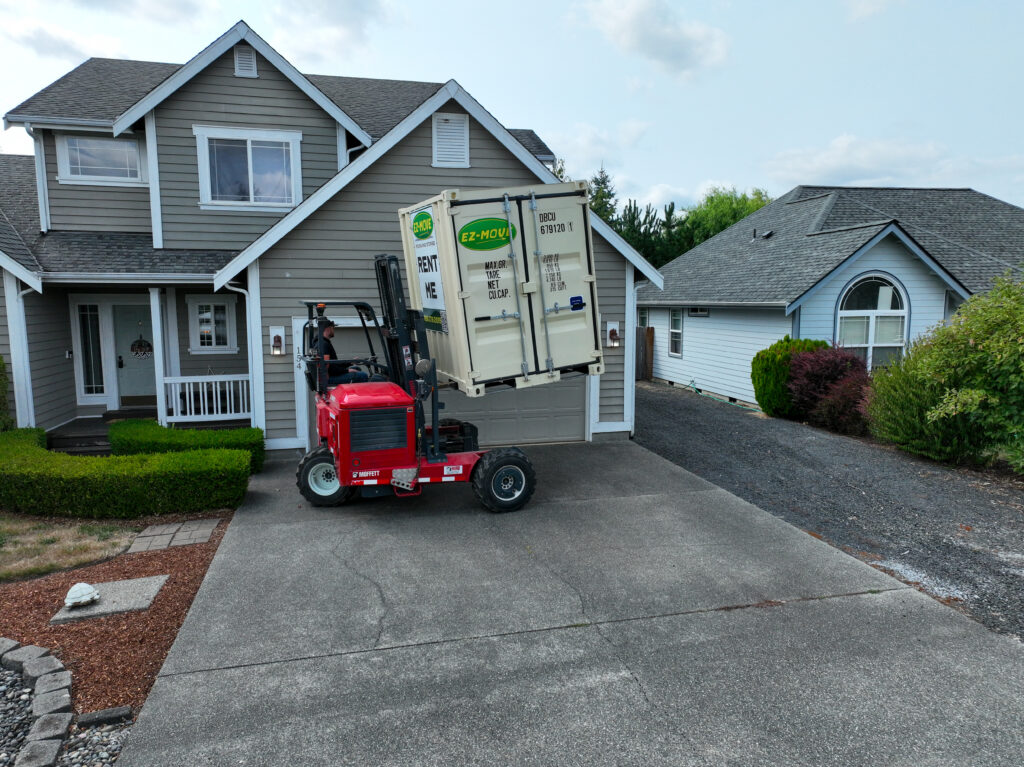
(326, 323)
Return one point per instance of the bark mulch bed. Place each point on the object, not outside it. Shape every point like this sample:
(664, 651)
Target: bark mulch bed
(114, 660)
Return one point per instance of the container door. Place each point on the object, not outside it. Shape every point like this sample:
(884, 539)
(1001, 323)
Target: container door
(498, 316)
(557, 246)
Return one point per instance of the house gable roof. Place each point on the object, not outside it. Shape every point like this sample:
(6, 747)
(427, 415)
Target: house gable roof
(969, 239)
(450, 91)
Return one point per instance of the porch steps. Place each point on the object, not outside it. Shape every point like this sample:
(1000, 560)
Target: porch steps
(83, 436)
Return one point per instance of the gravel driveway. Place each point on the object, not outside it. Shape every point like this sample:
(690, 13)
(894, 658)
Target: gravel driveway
(958, 533)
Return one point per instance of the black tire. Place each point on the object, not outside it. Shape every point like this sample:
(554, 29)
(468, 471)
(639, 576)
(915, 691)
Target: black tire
(314, 478)
(504, 480)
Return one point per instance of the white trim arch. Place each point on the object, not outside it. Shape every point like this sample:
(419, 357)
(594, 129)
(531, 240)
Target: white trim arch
(867, 331)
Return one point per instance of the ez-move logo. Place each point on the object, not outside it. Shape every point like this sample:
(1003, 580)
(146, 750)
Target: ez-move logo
(485, 234)
(422, 225)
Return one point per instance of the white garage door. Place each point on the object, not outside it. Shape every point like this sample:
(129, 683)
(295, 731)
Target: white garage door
(549, 413)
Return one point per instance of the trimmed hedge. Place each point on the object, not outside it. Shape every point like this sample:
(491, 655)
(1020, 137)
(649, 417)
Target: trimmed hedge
(6, 422)
(769, 372)
(34, 480)
(136, 436)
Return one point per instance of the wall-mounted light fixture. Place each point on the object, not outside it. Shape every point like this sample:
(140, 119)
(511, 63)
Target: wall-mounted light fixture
(277, 345)
(613, 339)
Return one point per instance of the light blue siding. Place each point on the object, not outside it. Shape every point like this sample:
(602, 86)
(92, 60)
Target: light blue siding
(717, 349)
(926, 292)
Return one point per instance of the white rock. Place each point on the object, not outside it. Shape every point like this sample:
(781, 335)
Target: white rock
(81, 594)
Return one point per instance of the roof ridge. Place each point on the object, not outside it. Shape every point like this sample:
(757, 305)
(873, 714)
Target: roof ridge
(823, 213)
(851, 227)
(21, 239)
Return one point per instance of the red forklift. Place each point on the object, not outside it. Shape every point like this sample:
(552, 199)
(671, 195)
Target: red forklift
(374, 439)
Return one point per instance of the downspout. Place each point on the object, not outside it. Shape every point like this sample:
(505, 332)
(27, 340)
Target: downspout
(42, 193)
(30, 404)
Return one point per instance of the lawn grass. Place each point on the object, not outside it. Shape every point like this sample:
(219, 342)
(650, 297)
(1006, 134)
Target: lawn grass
(30, 547)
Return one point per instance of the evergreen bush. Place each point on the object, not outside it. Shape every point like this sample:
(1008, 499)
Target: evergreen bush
(136, 436)
(769, 372)
(34, 480)
(813, 374)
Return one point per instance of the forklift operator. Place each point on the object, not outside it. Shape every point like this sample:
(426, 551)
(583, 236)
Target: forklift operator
(338, 371)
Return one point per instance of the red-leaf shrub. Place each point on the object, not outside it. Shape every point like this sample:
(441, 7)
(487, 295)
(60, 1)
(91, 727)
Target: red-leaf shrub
(812, 374)
(842, 408)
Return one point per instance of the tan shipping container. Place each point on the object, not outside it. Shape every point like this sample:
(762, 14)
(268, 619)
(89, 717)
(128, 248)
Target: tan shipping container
(520, 310)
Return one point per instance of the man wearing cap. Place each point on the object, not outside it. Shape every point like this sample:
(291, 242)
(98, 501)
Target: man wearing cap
(338, 371)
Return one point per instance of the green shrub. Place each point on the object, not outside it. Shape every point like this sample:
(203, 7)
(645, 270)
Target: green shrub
(137, 436)
(6, 422)
(769, 372)
(36, 481)
(977, 362)
(901, 397)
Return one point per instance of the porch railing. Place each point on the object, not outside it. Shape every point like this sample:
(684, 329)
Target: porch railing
(207, 398)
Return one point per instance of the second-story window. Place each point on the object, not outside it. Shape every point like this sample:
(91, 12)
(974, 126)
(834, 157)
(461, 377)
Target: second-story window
(99, 160)
(248, 169)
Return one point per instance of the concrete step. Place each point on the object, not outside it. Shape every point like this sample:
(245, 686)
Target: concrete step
(83, 449)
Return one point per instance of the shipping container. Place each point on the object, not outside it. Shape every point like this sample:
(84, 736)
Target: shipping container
(499, 309)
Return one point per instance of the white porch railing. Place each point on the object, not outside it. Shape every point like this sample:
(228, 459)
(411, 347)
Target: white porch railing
(207, 398)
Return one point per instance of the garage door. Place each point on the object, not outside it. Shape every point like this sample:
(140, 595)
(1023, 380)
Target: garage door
(549, 413)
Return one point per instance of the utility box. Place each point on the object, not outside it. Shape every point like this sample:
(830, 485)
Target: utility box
(519, 310)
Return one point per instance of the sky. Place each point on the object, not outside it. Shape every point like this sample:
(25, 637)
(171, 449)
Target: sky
(671, 98)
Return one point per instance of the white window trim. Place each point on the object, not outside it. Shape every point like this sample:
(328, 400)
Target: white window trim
(671, 331)
(204, 133)
(698, 311)
(872, 315)
(192, 302)
(643, 317)
(64, 166)
(455, 116)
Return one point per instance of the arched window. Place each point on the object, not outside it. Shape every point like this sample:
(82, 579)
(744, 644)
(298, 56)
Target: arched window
(873, 321)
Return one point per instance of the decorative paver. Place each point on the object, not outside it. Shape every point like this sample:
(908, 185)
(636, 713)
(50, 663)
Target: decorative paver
(157, 537)
(55, 702)
(115, 597)
(33, 669)
(50, 726)
(39, 753)
(15, 659)
(59, 681)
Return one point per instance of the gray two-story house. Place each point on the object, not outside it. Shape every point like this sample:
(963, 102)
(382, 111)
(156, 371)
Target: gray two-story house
(158, 246)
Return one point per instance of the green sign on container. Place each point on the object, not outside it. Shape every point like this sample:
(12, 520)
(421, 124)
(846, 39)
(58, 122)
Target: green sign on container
(422, 225)
(485, 234)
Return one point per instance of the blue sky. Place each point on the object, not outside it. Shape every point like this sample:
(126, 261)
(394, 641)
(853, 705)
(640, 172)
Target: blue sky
(670, 97)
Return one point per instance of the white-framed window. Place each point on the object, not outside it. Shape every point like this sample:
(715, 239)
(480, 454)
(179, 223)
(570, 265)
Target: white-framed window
(872, 320)
(643, 317)
(675, 333)
(212, 328)
(100, 161)
(699, 311)
(245, 61)
(451, 140)
(252, 170)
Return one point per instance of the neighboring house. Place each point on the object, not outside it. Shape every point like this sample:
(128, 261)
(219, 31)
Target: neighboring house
(870, 269)
(175, 216)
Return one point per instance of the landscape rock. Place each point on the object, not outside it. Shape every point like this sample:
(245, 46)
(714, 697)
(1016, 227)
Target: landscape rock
(58, 681)
(39, 753)
(32, 670)
(51, 703)
(106, 716)
(14, 660)
(50, 726)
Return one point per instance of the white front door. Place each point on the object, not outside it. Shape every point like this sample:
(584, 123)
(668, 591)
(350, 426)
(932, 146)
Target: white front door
(133, 350)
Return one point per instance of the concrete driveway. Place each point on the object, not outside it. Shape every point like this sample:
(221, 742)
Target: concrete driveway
(632, 613)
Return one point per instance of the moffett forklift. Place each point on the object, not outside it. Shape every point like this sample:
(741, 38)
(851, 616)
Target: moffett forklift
(374, 439)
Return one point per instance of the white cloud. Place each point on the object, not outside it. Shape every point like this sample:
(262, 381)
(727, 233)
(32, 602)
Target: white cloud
(321, 31)
(48, 41)
(863, 9)
(661, 195)
(586, 148)
(851, 161)
(162, 11)
(653, 29)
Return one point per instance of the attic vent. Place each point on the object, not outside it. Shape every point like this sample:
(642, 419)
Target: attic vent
(451, 140)
(764, 235)
(245, 61)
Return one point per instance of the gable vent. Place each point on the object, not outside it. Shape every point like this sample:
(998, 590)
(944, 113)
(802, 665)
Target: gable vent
(245, 61)
(451, 140)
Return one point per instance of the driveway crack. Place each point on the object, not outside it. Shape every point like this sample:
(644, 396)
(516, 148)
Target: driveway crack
(384, 608)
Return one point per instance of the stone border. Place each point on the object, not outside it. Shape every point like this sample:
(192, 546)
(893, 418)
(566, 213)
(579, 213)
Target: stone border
(51, 701)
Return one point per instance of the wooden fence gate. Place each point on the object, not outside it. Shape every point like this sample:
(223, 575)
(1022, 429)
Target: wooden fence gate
(644, 353)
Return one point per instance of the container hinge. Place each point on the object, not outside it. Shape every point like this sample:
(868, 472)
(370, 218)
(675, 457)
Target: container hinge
(588, 278)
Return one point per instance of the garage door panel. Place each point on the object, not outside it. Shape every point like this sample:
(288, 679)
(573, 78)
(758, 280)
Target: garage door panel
(548, 413)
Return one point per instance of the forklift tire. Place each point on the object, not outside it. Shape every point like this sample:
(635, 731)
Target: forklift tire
(317, 478)
(504, 480)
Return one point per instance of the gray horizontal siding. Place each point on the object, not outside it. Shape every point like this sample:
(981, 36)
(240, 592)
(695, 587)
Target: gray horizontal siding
(94, 208)
(611, 296)
(331, 254)
(216, 97)
(5, 347)
(53, 374)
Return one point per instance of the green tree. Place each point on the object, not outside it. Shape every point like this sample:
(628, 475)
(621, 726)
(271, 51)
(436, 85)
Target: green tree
(603, 202)
(719, 209)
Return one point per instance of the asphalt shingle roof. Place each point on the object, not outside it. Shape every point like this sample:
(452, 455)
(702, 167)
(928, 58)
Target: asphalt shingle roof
(532, 142)
(19, 209)
(813, 229)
